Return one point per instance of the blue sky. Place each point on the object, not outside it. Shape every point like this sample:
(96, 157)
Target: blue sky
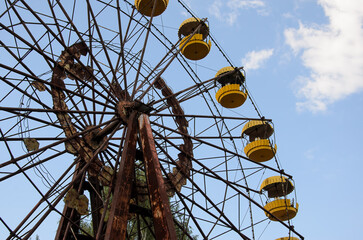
(304, 67)
(304, 64)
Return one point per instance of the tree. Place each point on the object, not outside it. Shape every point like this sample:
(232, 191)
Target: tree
(140, 226)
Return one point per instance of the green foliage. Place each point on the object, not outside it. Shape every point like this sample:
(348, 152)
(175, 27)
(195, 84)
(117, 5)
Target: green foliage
(86, 227)
(141, 227)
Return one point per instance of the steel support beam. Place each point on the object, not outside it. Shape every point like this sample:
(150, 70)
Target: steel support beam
(163, 219)
(119, 213)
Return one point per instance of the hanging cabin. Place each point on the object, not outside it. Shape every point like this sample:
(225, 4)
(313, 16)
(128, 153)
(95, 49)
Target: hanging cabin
(279, 187)
(259, 147)
(145, 7)
(197, 46)
(232, 94)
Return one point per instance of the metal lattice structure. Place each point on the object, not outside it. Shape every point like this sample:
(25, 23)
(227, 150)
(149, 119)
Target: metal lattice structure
(106, 124)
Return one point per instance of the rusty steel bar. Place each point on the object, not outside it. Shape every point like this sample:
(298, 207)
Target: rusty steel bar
(234, 187)
(207, 116)
(163, 219)
(103, 46)
(68, 213)
(223, 149)
(197, 85)
(119, 212)
(52, 144)
(9, 109)
(80, 37)
(25, 168)
(65, 190)
(144, 49)
(53, 85)
(170, 61)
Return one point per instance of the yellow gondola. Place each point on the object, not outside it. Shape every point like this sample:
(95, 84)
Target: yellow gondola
(283, 209)
(231, 94)
(145, 7)
(194, 47)
(259, 148)
(277, 186)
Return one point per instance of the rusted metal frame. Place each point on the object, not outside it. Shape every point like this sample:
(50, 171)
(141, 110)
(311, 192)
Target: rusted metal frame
(90, 48)
(75, 105)
(94, 190)
(71, 20)
(51, 145)
(240, 163)
(25, 115)
(117, 223)
(107, 158)
(170, 61)
(100, 226)
(207, 116)
(229, 182)
(51, 84)
(8, 109)
(110, 150)
(41, 200)
(124, 90)
(44, 197)
(8, 8)
(55, 36)
(204, 137)
(83, 103)
(19, 60)
(206, 197)
(27, 30)
(106, 203)
(221, 222)
(230, 224)
(246, 176)
(163, 219)
(211, 176)
(71, 214)
(194, 95)
(196, 86)
(233, 187)
(60, 196)
(71, 94)
(103, 46)
(25, 168)
(91, 55)
(139, 23)
(23, 92)
(82, 186)
(122, 48)
(162, 42)
(162, 61)
(143, 49)
(9, 229)
(147, 227)
(226, 167)
(55, 20)
(261, 221)
(183, 99)
(223, 149)
(137, 203)
(178, 193)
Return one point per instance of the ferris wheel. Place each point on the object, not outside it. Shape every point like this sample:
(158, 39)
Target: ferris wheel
(114, 126)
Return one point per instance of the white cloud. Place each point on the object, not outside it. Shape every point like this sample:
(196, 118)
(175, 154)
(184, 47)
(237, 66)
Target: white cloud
(255, 59)
(229, 10)
(332, 53)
